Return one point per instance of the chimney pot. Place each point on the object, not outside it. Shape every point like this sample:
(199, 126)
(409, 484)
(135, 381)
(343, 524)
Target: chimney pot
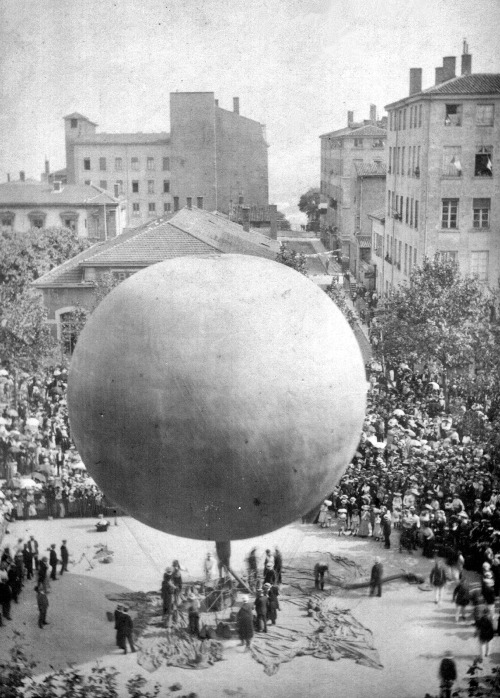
(415, 81)
(439, 75)
(466, 64)
(22, 176)
(47, 167)
(373, 113)
(350, 117)
(236, 105)
(449, 63)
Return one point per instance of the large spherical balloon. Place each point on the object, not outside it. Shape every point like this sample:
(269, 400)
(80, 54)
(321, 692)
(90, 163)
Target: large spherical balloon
(218, 397)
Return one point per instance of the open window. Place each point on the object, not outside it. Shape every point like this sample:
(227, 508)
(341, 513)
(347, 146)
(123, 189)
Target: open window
(483, 166)
(453, 115)
(37, 219)
(69, 219)
(7, 220)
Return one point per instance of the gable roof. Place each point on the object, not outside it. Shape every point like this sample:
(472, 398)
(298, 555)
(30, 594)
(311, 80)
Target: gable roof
(357, 131)
(188, 232)
(162, 138)
(37, 194)
(478, 83)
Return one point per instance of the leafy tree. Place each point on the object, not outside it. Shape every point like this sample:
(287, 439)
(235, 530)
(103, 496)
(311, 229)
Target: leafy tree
(309, 204)
(292, 259)
(283, 222)
(338, 296)
(441, 318)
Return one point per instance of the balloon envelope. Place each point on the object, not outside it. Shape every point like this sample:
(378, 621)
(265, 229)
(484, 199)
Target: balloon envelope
(216, 397)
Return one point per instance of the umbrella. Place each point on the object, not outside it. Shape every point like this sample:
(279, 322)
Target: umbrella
(3, 420)
(39, 476)
(23, 483)
(77, 466)
(3, 372)
(328, 503)
(12, 412)
(399, 412)
(32, 422)
(89, 481)
(434, 385)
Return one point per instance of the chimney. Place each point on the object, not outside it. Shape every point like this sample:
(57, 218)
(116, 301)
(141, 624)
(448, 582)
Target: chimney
(216, 102)
(449, 63)
(236, 105)
(415, 81)
(466, 60)
(439, 75)
(273, 231)
(47, 167)
(22, 176)
(350, 117)
(245, 214)
(373, 113)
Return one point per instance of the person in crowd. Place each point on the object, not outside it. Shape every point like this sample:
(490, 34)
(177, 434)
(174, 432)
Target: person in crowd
(461, 597)
(194, 605)
(64, 557)
(168, 595)
(386, 529)
(269, 573)
(252, 570)
(118, 626)
(320, 569)
(273, 605)
(278, 566)
(376, 575)
(43, 574)
(485, 632)
(5, 591)
(447, 674)
(261, 610)
(244, 622)
(127, 629)
(209, 568)
(437, 579)
(53, 561)
(43, 605)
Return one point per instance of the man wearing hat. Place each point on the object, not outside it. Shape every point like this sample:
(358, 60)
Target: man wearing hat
(64, 557)
(261, 609)
(127, 628)
(447, 674)
(53, 561)
(244, 621)
(118, 626)
(376, 577)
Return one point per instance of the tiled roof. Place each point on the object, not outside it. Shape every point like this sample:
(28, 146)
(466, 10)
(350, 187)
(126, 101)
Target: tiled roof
(379, 214)
(476, 84)
(370, 169)
(357, 131)
(161, 138)
(36, 194)
(188, 232)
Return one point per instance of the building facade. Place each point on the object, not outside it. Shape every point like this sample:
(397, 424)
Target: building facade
(352, 185)
(211, 159)
(87, 210)
(443, 175)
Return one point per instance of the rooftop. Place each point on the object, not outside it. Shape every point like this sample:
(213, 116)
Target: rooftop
(161, 138)
(42, 194)
(379, 214)
(188, 232)
(475, 84)
(357, 131)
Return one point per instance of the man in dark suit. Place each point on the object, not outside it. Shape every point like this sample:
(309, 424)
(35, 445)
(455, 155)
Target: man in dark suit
(32, 546)
(64, 557)
(127, 628)
(53, 561)
(376, 578)
(43, 604)
(119, 627)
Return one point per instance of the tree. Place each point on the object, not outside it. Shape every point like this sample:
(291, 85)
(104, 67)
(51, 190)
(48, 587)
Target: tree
(309, 204)
(292, 259)
(283, 222)
(338, 296)
(441, 318)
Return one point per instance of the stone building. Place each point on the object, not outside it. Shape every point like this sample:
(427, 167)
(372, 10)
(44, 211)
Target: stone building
(89, 211)
(211, 159)
(443, 176)
(189, 232)
(353, 164)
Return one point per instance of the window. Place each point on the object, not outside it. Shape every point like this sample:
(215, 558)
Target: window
(479, 265)
(87, 182)
(411, 211)
(68, 325)
(378, 143)
(415, 256)
(483, 165)
(151, 207)
(134, 163)
(448, 256)
(449, 213)
(118, 164)
(167, 208)
(151, 186)
(37, 219)
(119, 184)
(400, 247)
(189, 201)
(407, 213)
(410, 123)
(176, 203)
(394, 159)
(358, 142)
(135, 186)
(410, 161)
(166, 186)
(400, 210)
(389, 195)
(74, 123)
(452, 161)
(481, 213)
(103, 184)
(416, 213)
(484, 115)
(7, 219)
(406, 258)
(420, 115)
(86, 163)
(453, 115)
(389, 167)
(121, 275)
(409, 259)
(397, 160)
(199, 201)
(404, 119)
(150, 163)
(102, 164)
(69, 219)
(136, 210)
(403, 160)
(166, 163)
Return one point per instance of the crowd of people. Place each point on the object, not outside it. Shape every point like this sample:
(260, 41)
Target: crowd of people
(43, 475)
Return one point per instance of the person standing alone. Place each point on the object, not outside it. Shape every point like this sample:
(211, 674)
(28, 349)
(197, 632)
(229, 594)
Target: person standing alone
(43, 605)
(376, 577)
(64, 557)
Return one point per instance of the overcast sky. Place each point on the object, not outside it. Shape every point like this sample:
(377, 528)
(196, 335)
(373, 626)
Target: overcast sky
(297, 66)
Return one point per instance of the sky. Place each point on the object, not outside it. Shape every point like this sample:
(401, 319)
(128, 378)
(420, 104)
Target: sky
(297, 66)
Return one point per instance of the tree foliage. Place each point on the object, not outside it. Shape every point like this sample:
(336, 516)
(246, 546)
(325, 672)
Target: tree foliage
(309, 204)
(292, 259)
(338, 296)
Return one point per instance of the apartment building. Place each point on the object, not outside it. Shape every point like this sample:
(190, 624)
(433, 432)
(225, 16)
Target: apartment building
(353, 167)
(443, 176)
(211, 159)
